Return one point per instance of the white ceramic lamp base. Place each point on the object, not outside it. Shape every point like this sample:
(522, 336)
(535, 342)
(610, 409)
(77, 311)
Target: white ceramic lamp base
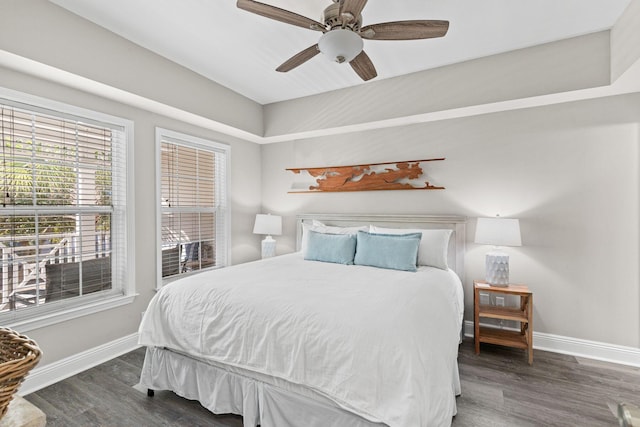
(268, 247)
(497, 268)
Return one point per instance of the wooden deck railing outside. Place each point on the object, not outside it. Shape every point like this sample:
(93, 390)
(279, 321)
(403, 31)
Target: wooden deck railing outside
(23, 264)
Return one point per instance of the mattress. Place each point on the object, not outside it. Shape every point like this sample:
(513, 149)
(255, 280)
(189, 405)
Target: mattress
(379, 343)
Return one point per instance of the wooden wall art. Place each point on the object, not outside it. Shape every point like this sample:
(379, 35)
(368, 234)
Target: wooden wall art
(406, 175)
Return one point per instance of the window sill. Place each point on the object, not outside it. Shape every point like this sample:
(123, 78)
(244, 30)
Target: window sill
(62, 314)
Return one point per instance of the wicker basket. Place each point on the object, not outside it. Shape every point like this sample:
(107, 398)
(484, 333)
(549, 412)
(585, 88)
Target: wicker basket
(18, 355)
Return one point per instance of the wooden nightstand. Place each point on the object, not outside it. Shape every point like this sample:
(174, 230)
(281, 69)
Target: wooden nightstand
(522, 339)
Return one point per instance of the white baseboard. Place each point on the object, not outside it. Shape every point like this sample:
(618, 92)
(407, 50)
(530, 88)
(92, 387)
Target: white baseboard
(43, 376)
(578, 347)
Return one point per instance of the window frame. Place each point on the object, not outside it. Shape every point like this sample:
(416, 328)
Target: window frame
(191, 141)
(30, 318)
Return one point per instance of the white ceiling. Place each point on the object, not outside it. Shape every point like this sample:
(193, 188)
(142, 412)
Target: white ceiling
(241, 50)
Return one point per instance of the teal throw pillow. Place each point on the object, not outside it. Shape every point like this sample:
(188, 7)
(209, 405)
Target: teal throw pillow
(392, 251)
(337, 248)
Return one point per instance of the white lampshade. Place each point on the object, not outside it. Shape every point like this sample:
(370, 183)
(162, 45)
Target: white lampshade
(268, 224)
(340, 45)
(498, 232)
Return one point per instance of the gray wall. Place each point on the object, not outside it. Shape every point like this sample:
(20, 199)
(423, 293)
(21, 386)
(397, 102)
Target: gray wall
(74, 336)
(569, 172)
(36, 30)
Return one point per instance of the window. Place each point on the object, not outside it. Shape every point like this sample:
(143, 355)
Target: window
(193, 214)
(63, 237)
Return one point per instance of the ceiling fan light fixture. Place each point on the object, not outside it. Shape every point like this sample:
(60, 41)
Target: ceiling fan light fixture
(340, 45)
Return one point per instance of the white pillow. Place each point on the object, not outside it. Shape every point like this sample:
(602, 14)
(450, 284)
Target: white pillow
(434, 244)
(319, 227)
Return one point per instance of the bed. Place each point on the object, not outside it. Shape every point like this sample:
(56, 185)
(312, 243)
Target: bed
(289, 341)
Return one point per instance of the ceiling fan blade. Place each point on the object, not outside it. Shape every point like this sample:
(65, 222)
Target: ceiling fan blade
(299, 59)
(405, 30)
(363, 66)
(353, 7)
(281, 15)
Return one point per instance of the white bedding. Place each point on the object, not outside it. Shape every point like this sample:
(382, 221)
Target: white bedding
(379, 343)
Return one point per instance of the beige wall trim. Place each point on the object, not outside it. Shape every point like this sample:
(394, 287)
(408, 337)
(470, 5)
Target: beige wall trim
(75, 81)
(43, 376)
(30, 67)
(625, 41)
(578, 347)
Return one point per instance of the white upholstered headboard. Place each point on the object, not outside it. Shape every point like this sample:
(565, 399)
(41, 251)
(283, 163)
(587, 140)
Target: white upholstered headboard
(451, 222)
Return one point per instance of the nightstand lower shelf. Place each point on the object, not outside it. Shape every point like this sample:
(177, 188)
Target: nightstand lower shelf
(503, 337)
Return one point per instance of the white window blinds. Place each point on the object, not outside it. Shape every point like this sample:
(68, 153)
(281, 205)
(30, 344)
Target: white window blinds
(192, 190)
(62, 211)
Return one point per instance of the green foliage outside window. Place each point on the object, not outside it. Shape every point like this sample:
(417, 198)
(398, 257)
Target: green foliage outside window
(38, 175)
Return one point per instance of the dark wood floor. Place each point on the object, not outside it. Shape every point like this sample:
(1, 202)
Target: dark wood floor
(498, 389)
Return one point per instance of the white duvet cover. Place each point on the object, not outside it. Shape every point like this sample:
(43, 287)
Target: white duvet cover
(380, 343)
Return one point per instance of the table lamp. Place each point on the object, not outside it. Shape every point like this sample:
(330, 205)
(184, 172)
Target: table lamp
(498, 232)
(268, 224)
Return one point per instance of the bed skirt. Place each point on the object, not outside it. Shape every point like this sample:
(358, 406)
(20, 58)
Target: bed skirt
(263, 401)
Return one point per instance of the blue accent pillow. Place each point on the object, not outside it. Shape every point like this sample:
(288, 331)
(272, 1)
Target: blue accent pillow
(392, 251)
(337, 248)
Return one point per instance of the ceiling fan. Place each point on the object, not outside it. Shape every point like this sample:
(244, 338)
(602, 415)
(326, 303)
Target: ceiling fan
(343, 33)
